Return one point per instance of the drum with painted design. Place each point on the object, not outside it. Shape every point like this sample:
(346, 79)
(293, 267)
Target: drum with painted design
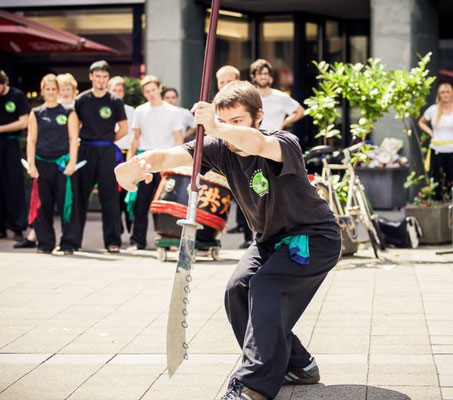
(170, 204)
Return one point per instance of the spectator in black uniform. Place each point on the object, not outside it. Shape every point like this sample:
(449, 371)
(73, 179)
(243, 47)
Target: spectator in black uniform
(14, 111)
(52, 144)
(99, 111)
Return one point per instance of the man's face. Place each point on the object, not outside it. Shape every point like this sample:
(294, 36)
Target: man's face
(50, 92)
(99, 79)
(238, 116)
(3, 88)
(263, 78)
(171, 97)
(66, 92)
(225, 78)
(152, 92)
(118, 90)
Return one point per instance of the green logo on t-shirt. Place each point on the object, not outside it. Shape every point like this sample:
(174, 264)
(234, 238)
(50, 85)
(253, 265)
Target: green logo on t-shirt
(10, 106)
(105, 112)
(61, 119)
(259, 183)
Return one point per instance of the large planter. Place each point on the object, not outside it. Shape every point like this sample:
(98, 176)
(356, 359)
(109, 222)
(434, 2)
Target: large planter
(434, 222)
(384, 186)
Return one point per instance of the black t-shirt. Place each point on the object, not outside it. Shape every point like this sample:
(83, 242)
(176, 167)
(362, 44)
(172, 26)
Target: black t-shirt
(99, 115)
(53, 139)
(277, 199)
(12, 106)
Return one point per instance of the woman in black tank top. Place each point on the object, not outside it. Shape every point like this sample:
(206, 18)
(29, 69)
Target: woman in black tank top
(52, 145)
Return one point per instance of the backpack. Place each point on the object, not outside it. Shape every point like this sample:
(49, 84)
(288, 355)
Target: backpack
(403, 232)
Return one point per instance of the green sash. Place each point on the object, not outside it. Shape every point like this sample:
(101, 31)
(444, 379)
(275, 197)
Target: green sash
(131, 199)
(62, 162)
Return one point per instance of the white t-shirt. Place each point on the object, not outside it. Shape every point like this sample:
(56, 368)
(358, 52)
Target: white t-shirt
(125, 142)
(157, 125)
(443, 131)
(186, 119)
(276, 107)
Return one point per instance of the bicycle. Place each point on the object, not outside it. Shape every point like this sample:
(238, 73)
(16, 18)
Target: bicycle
(356, 209)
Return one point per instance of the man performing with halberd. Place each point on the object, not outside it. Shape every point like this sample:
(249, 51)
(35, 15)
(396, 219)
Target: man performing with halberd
(298, 240)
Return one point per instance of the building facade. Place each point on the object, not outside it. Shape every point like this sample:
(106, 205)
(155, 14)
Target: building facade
(166, 38)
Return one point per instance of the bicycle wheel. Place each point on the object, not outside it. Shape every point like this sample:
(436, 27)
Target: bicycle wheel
(367, 220)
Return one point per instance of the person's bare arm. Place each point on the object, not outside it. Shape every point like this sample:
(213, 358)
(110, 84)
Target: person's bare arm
(122, 131)
(18, 125)
(295, 116)
(32, 138)
(141, 167)
(135, 142)
(190, 132)
(73, 134)
(178, 137)
(247, 139)
(423, 124)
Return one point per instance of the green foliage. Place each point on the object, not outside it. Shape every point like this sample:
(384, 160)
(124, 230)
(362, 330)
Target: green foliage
(424, 196)
(341, 187)
(410, 89)
(372, 89)
(133, 92)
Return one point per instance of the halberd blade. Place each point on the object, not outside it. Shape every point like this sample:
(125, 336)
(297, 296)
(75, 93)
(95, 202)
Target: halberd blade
(176, 329)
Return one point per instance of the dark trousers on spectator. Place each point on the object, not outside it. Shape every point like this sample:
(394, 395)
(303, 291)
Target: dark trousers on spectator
(442, 172)
(265, 297)
(52, 189)
(99, 169)
(13, 211)
(144, 197)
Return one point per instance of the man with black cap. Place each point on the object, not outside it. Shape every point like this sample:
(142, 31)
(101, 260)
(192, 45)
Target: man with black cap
(14, 110)
(99, 111)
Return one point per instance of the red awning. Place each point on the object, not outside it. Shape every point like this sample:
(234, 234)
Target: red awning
(22, 35)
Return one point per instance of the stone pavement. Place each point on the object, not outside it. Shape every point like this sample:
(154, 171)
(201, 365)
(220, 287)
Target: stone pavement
(92, 327)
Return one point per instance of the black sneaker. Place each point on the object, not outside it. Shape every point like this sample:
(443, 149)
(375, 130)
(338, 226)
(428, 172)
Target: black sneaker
(238, 391)
(246, 244)
(236, 229)
(25, 244)
(303, 376)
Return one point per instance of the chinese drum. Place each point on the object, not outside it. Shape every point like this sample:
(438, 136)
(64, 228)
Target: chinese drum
(172, 196)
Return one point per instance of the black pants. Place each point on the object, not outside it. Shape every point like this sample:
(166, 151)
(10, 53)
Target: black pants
(99, 169)
(52, 189)
(441, 170)
(13, 211)
(241, 221)
(144, 196)
(264, 299)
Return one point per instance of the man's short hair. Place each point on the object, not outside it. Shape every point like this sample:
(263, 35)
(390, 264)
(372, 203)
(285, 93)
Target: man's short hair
(4, 80)
(170, 89)
(101, 65)
(228, 68)
(116, 80)
(239, 92)
(149, 79)
(259, 65)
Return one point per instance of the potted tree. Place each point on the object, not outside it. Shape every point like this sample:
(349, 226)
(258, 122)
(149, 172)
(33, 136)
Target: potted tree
(374, 91)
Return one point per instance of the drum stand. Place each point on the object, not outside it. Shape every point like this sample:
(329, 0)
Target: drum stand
(450, 225)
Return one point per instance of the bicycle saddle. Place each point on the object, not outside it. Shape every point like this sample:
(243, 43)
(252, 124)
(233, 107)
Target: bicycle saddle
(319, 151)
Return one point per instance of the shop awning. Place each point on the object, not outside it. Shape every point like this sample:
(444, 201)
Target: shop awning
(22, 35)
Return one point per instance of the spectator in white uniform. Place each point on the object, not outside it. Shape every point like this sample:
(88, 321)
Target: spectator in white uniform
(117, 86)
(171, 96)
(280, 110)
(157, 126)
